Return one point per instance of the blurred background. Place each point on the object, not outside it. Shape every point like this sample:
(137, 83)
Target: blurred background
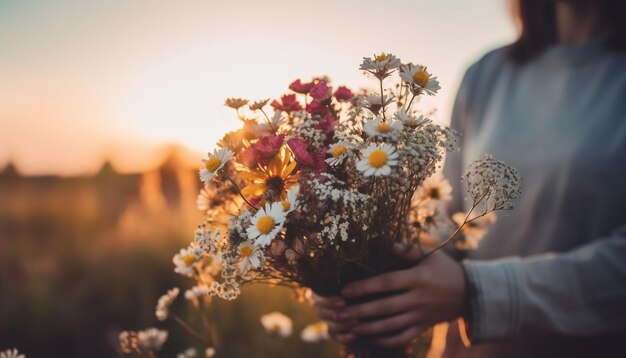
(106, 108)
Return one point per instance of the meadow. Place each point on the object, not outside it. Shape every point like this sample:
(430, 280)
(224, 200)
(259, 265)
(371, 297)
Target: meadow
(83, 258)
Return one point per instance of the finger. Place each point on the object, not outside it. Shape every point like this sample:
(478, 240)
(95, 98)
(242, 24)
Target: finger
(385, 325)
(401, 339)
(335, 328)
(385, 306)
(344, 338)
(392, 281)
(328, 301)
(329, 315)
(410, 253)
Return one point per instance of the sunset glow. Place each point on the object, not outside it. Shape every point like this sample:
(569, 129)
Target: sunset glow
(84, 81)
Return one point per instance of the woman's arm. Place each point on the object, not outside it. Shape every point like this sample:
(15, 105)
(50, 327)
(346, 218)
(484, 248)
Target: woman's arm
(581, 292)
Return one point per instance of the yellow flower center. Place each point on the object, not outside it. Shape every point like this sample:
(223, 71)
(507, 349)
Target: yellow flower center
(189, 259)
(212, 164)
(434, 193)
(383, 128)
(245, 251)
(377, 158)
(286, 204)
(339, 150)
(265, 224)
(421, 78)
(382, 57)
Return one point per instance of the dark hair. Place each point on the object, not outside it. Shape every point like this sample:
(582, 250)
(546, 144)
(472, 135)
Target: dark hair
(538, 26)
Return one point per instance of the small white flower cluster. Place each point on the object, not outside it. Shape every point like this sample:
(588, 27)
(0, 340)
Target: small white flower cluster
(165, 302)
(336, 230)
(307, 130)
(205, 239)
(196, 292)
(142, 342)
(277, 323)
(493, 182)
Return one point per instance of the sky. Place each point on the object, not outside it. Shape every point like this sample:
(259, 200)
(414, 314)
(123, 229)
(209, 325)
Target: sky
(83, 81)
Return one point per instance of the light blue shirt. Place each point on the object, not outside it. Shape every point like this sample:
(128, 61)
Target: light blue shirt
(556, 264)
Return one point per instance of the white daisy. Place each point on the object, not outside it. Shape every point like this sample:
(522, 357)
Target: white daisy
(165, 302)
(215, 162)
(188, 353)
(11, 353)
(152, 338)
(380, 128)
(277, 322)
(250, 256)
(315, 332)
(419, 79)
(186, 260)
(291, 202)
(377, 160)
(203, 201)
(381, 65)
(235, 103)
(338, 152)
(410, 120)
(435, 189)
(266, 223)
(197, 291)
(473, 231)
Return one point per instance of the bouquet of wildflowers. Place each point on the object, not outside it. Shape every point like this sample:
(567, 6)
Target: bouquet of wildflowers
(314, 193)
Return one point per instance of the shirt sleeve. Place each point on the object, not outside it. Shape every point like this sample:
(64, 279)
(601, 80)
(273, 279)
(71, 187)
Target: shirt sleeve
(580, 292)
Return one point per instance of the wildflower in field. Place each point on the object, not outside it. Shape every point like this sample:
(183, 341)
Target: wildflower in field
(188, 353)
(291, 202)
(377, 160)
(302, 88)
(419, 80)
(235, 103)
(215, 162)
(320, 92)
(254, 106)
(152, 338)
(288, 103)
(434, 190)
(266, 224)
(250, 256)
(343, 94)
(277, 322)
(338, 152)
(271, 181)
(262, 151)
(409, 120)
(11, 353)
(377, 127)
(381, 65)
(315, 332)
(209, 352)
(186, 260)
(474, 230)
(165, 302)
(313, 160)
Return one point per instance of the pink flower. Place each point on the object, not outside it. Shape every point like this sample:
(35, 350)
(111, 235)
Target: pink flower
(343, 93)
(320, 91)
(314, 161)
(326, 124)
(289, 103)
(299, 87)
(261, 152)
(316, 107)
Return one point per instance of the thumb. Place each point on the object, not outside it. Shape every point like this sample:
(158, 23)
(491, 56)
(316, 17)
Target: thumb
(410, 253)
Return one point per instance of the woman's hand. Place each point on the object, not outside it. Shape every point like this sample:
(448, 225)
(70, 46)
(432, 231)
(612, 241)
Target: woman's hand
(433, 291)
(329, 309)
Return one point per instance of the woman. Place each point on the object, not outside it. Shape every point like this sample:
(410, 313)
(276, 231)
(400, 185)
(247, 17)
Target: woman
(550, 278)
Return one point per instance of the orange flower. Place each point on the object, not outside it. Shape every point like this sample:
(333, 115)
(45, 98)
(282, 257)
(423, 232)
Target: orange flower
(272, 181)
